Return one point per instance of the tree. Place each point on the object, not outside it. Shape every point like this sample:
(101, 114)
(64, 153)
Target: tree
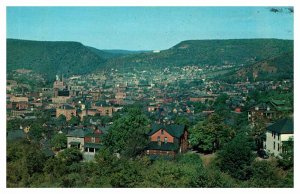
(220, 104)
(257, 131)
(210, 135)
(13, 124)
(128, 134)
(70, 156)
(61, 120)
(236, 157)
(182, 121)
(127, 173)
(286, 159)
(34, 160)
(166, 174)
(104, 157)
(25, 163)
(265, 174)
(36, 131)
(55, 167)
(59, 141)
(74, 120)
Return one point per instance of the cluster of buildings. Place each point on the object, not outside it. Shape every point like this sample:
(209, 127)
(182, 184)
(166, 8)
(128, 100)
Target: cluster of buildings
(164, 94)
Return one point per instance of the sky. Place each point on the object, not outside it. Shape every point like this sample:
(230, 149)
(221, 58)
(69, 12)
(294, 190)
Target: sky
(145, 28)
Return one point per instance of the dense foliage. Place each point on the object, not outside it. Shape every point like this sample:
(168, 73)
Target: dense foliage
(223, 154)
(208, 52)
(275, 68)
(128, 134)
(210, 135)
(27, 166)
(236, 157)
(51, 58)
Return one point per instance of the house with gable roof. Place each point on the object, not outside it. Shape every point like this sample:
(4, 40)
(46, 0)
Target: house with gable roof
(278, 134)
(75, 138)
(167, 140)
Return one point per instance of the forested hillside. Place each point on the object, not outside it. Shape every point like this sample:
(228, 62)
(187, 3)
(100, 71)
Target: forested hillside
(276, 68)
(208, 52)
(50, 58)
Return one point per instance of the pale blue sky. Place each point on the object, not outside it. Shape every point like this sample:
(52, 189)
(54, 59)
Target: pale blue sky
(145, 28)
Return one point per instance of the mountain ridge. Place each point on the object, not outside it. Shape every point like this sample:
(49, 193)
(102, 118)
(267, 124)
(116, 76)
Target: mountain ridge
(209, 52)
(51, 57)
(70, 57)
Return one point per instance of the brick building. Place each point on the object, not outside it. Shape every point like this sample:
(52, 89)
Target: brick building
(66, 110)
(167, 140)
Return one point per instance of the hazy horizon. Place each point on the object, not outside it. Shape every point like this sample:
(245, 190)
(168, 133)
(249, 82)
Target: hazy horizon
(115, 49)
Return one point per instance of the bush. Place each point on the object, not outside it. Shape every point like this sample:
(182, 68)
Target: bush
(236, 157)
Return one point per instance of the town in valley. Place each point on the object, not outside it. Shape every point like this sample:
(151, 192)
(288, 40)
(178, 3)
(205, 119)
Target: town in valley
(201, 113)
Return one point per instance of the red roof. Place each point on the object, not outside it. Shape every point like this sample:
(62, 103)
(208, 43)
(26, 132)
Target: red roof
(98, 131)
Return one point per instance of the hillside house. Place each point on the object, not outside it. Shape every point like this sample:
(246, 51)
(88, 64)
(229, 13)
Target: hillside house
(167, 140)
(269, 111)
(93, 141)
(75, 138)
(278, 134)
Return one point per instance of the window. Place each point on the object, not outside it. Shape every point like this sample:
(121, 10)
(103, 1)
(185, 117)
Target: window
(274, 135)
(166, 140)
(274, 145)
(162, 131)
(278, 137)
(158, 138)
(93, 139)
(278, 148)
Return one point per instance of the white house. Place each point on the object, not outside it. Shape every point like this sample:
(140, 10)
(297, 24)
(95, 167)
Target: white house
(75, 138)
(277, 134)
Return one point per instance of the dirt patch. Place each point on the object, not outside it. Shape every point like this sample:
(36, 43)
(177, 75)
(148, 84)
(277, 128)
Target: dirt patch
(207, 158)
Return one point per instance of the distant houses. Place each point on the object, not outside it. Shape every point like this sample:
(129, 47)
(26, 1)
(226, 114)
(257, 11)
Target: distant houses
(269, 111)
(67, 110)
(165, 95)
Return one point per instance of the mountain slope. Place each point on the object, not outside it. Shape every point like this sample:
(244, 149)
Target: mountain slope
(208, 52)
(50, 58)
(275, 68)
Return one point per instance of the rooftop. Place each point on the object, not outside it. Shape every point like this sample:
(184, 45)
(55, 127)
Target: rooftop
(174, 130)
(283, 126)
(80, 132)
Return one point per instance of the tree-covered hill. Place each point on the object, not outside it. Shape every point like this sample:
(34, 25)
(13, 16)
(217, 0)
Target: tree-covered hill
(208, 52)
(50, 58)
(275, 68)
